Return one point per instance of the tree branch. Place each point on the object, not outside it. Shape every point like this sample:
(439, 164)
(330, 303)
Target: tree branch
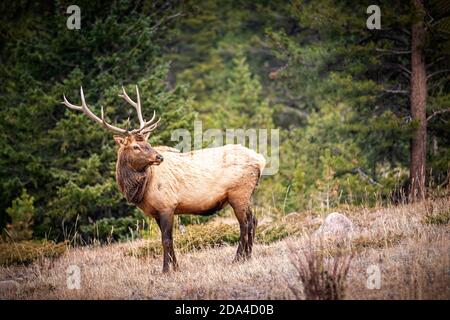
(366, 176)
(435, 61)
(399, 39)
(163, 20)
(436, 73)
(392, 51)
(404, 69)
(361, 173)
(300, 113)
(437, 113)
(396, 91)
(400, 67)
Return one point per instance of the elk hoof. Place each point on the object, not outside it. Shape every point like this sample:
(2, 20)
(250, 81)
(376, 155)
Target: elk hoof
(239, 258)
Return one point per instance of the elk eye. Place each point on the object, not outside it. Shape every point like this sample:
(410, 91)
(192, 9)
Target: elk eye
(135, 147)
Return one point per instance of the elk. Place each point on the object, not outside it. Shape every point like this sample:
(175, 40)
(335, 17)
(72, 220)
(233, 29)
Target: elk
(162, 182)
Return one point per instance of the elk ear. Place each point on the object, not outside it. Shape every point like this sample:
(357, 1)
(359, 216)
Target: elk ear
(119, 140)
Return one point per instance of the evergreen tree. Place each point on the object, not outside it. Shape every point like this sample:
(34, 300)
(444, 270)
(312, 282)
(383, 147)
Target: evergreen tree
(64, 160)
(368, 71)
(363, 114)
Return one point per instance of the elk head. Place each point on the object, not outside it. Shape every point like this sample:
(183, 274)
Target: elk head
(133, 146)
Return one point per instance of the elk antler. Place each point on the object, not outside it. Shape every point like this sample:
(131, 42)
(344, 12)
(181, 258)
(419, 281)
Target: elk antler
(144, 128)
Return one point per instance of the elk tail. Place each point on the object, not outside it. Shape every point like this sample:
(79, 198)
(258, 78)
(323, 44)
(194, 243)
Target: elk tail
(261, 164)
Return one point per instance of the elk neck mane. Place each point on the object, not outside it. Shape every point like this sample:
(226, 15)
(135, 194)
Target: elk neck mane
(132, 183)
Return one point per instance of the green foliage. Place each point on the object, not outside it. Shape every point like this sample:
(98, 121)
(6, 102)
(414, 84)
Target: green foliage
(64, 160)
(21, 213)
(308, 68)
(351, 84)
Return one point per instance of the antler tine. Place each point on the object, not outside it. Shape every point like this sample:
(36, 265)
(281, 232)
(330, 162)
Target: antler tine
(110, 127)
(149, 122)
(69, 105)
(138, 108)
(91, 115)
(136, 105)
(86, 109)
(153, 117)
(125, 96)
(144, 127)
(149, 128)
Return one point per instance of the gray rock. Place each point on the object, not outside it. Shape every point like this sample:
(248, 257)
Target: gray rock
(335, 225)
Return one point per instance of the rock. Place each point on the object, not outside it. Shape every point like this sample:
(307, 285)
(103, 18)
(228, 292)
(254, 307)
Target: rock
(335, 225)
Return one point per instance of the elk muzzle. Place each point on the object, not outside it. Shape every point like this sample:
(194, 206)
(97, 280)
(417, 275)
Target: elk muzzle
(157, 159)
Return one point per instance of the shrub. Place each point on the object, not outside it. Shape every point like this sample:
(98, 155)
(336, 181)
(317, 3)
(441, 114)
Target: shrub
(201, 236)
(25, 252)
(194, 237)
(269, 233)
(440, 218)
(387, 239)
(21, 213)
(323, 278)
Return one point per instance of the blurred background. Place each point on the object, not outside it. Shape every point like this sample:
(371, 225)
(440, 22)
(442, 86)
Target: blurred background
(340, 93)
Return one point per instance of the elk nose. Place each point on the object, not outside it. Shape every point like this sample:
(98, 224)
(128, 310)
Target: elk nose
(159, 158)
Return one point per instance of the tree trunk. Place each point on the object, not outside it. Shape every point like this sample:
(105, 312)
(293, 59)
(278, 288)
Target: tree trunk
(418, 104)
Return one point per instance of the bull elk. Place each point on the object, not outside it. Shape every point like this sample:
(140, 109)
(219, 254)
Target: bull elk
(162, 181)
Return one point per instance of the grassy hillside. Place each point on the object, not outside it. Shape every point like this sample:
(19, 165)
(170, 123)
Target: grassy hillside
(410, 244)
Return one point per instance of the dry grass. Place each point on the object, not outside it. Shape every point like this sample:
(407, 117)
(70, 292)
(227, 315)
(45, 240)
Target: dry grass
(221, 232)
(412, 254)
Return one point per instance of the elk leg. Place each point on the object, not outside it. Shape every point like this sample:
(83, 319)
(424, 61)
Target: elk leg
(166, 226)
(158, 222)
(243, 225)
(240, 200)
(243, 242)
(252, 222)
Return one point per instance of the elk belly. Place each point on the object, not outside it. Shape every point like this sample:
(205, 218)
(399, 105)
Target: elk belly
(204, 207)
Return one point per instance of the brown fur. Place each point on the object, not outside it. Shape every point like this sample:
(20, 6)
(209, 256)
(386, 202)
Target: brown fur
(162, 182)
(132, 183)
